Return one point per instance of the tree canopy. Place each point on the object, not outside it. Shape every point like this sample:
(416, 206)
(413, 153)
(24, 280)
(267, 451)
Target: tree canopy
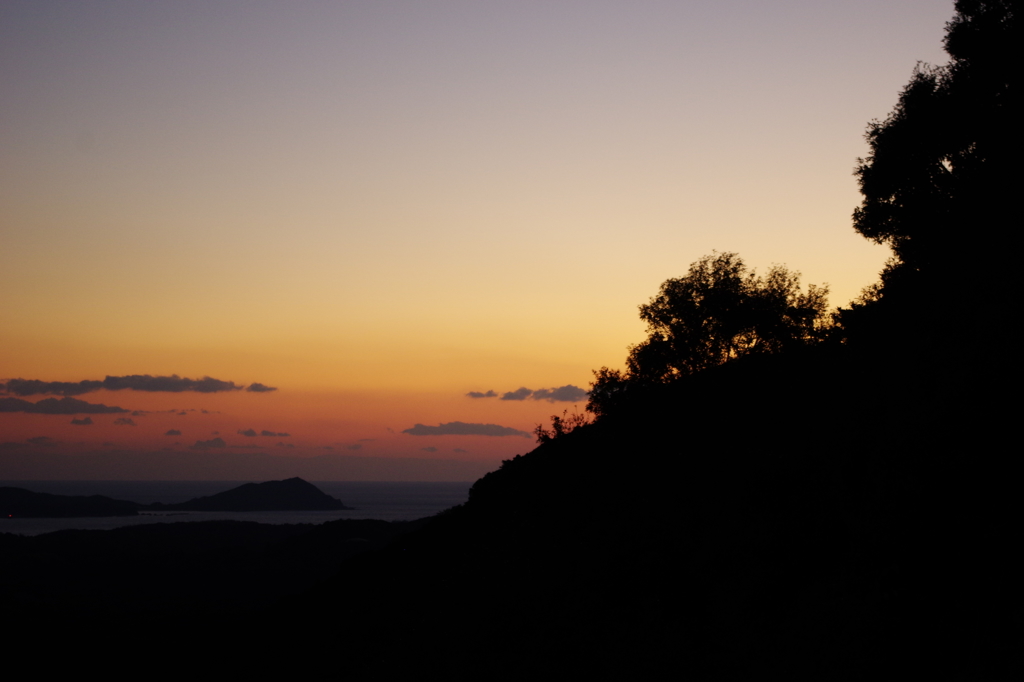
(942, 165)
(718, 312)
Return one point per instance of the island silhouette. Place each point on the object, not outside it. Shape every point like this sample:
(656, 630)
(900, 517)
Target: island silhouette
(293, 494)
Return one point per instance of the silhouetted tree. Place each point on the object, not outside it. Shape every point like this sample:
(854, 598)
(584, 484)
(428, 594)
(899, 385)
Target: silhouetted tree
(718, 312)
(561, 426)
(943, 165)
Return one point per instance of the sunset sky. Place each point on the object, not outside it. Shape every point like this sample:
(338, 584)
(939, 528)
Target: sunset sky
(377, 208)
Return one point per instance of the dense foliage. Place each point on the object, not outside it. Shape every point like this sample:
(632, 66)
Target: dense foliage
(943, 165)
(718, 312)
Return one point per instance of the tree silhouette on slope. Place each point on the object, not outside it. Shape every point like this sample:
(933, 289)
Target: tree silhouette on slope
(943, 165)
(718, 312)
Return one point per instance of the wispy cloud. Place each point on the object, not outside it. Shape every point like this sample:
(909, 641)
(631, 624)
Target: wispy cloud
(207, 444)
(565, 394)
(464, 429)
(85, 421)
(519, 394)
(478, 394)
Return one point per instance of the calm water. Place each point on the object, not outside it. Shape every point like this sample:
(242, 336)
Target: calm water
(372, 500)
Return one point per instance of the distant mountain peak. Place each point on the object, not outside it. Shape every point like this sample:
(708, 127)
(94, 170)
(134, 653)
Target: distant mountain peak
(292, 494)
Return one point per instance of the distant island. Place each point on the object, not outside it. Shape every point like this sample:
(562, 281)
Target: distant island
(293, 494)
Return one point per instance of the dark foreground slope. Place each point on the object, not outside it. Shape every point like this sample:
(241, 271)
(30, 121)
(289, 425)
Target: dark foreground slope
(823, 515)
(820, 515)
(171, 575)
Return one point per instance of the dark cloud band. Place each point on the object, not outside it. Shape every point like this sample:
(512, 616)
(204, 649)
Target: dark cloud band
(134, 382)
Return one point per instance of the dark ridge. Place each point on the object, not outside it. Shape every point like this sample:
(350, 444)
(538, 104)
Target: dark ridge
(18, 502)
(293, 494)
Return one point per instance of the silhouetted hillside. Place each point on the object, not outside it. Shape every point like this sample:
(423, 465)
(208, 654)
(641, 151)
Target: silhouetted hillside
(163, 569)
(805, 502)
(782, 517)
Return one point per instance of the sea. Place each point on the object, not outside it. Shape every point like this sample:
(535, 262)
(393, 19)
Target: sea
(387, 501)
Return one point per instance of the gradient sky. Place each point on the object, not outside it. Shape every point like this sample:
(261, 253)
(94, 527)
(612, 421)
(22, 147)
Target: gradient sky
(377, 207)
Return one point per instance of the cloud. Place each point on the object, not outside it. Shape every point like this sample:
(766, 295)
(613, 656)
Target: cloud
(565, 394)
(43, 441)
(248, 433)
(260, 388)
(124, 421)
(463, 429)
(207, 444)
(357, 446)
(133, 382)
(478, 394)
(460, 450)
(429, 449)
(86, 421)
(55, 406)
(286, 445)
(139, 413)
(519, 394)
(25, 387)
(264, 432)
(173, 432)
